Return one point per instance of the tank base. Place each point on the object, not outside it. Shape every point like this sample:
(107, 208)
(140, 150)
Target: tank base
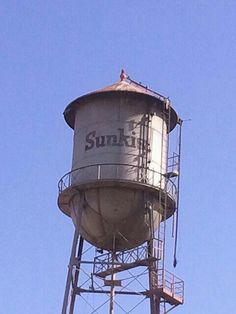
(123, 225)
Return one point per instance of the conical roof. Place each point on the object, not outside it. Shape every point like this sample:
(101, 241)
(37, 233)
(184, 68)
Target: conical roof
(125, 85)
(129, 86)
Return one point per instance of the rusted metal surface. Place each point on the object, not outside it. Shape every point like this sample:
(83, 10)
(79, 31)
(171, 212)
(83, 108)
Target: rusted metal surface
(124, 88)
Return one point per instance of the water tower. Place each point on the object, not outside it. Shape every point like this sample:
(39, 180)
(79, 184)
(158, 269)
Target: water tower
(121, 191)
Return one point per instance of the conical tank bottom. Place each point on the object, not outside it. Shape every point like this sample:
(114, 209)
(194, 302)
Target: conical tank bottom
(114, 218)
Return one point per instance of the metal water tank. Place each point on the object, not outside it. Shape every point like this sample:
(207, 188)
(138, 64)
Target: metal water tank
(118, 178)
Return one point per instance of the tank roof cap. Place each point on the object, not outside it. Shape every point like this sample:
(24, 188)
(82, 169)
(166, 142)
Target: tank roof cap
(123, 75)
(125, 85)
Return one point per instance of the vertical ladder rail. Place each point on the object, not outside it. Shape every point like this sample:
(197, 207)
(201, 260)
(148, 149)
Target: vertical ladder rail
(166, 114)
(163, 190)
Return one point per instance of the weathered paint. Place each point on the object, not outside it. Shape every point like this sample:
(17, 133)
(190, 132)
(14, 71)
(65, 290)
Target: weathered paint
(117, 137)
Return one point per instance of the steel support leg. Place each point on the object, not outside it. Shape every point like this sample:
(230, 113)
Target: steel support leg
(152, 270)
(70, 281)
(76, 276)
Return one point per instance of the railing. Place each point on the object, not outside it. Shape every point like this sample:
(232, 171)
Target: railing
(124, 172)
(171, 284)
(138, 254)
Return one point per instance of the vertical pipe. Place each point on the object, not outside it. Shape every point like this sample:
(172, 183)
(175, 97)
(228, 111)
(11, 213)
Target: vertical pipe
(177, 205)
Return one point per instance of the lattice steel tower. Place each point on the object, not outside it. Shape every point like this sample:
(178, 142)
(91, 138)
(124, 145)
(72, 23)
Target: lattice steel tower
(123, 187)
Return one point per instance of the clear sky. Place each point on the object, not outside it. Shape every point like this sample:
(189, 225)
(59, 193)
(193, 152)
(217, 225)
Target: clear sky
(53, 51)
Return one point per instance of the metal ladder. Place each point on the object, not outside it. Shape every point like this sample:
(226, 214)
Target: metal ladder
(161, 233)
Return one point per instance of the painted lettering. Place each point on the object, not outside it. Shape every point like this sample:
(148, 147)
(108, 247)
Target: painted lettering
(93, 140)
(89, 140)
(100, 141)
(111, 140)
(123, 139)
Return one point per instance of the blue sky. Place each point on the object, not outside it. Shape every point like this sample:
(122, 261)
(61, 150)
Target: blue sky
(52, 52)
